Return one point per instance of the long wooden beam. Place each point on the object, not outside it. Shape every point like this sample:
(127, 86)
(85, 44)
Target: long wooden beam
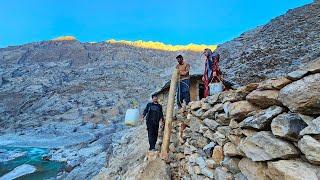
(169, 116)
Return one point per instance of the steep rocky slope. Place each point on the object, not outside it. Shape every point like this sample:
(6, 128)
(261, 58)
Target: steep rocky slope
(56, 90)
(274, 49)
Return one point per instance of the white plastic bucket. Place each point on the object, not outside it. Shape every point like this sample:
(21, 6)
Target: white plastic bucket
(132, 117)
(215, 88)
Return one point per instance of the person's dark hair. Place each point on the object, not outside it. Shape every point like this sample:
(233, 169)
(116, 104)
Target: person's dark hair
(153, 95)
(179, 56)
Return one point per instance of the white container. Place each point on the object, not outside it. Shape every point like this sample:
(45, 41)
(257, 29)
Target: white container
(132, 117)
(215, 88)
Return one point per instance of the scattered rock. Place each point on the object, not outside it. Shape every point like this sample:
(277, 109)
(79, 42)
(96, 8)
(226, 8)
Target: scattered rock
(287, 126)
(238, 110)
(222, 173)
(274, 83)
(264, 98)
(198, 113)
(217, 154)
(311, 148)
(205, 106)
(211, 163)
(292, 169)
(212, 111)
(195, 124)
(312, 128)
(209, 148)
(232, 96)
(263, 146)
(201, 162)
(229, 149)
(240, 176)
(213, 99)
(253, 170)
(263, 119)
(212, 124)
(296, 75)
(195, 105)
(199, 141)
(248, 88)
(231, 163)
(208, 172)
(314, 66)
(219, 138)
(303, 96)
(306, 119)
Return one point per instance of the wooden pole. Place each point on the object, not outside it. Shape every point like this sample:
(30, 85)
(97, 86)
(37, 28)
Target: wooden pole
(169, 115)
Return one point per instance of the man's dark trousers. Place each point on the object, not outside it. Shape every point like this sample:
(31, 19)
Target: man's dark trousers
(153, 129)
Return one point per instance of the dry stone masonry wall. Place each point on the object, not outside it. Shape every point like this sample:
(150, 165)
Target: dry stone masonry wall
(267, 130)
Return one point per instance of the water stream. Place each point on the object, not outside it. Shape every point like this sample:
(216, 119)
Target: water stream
(11, 157)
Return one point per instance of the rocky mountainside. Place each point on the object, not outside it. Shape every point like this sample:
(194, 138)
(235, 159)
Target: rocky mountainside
(51, 91)
(274, 49)
(69, 80)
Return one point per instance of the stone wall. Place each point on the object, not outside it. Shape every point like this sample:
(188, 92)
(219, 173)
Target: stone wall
(267, 130)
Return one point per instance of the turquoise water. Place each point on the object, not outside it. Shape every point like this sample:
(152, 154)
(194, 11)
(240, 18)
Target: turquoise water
(33, 156)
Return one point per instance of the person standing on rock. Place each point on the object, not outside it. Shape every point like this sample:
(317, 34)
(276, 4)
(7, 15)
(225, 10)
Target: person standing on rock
(154, 114)
(183, 88)
(212, 71)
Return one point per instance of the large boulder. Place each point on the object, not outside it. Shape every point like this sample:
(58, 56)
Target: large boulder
(239, 110)
(274, 83)
(313, 67)
(253, 170)
(303, 96)
(264, 98)
(288, 126)
(232, 96)
(292, 170)
(264, 146)
(262, 120)
(19, 171)
(313, 128)
(311, 148)
(295, 75)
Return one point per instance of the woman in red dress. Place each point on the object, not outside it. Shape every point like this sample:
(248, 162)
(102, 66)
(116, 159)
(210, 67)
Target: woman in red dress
(212, 71)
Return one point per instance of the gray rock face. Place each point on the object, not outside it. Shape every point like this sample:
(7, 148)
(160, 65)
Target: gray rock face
(292, 169)
(288, 126)
(274, 49)
(231, 164)
(298, 74)
(264, 98)
(253, 170)
(238, 110)
(212, 124)
(221, 173)
(311, 148)
(263, 146)
(18, 172)
(303, 96)
(263, 119)
(313, 128)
